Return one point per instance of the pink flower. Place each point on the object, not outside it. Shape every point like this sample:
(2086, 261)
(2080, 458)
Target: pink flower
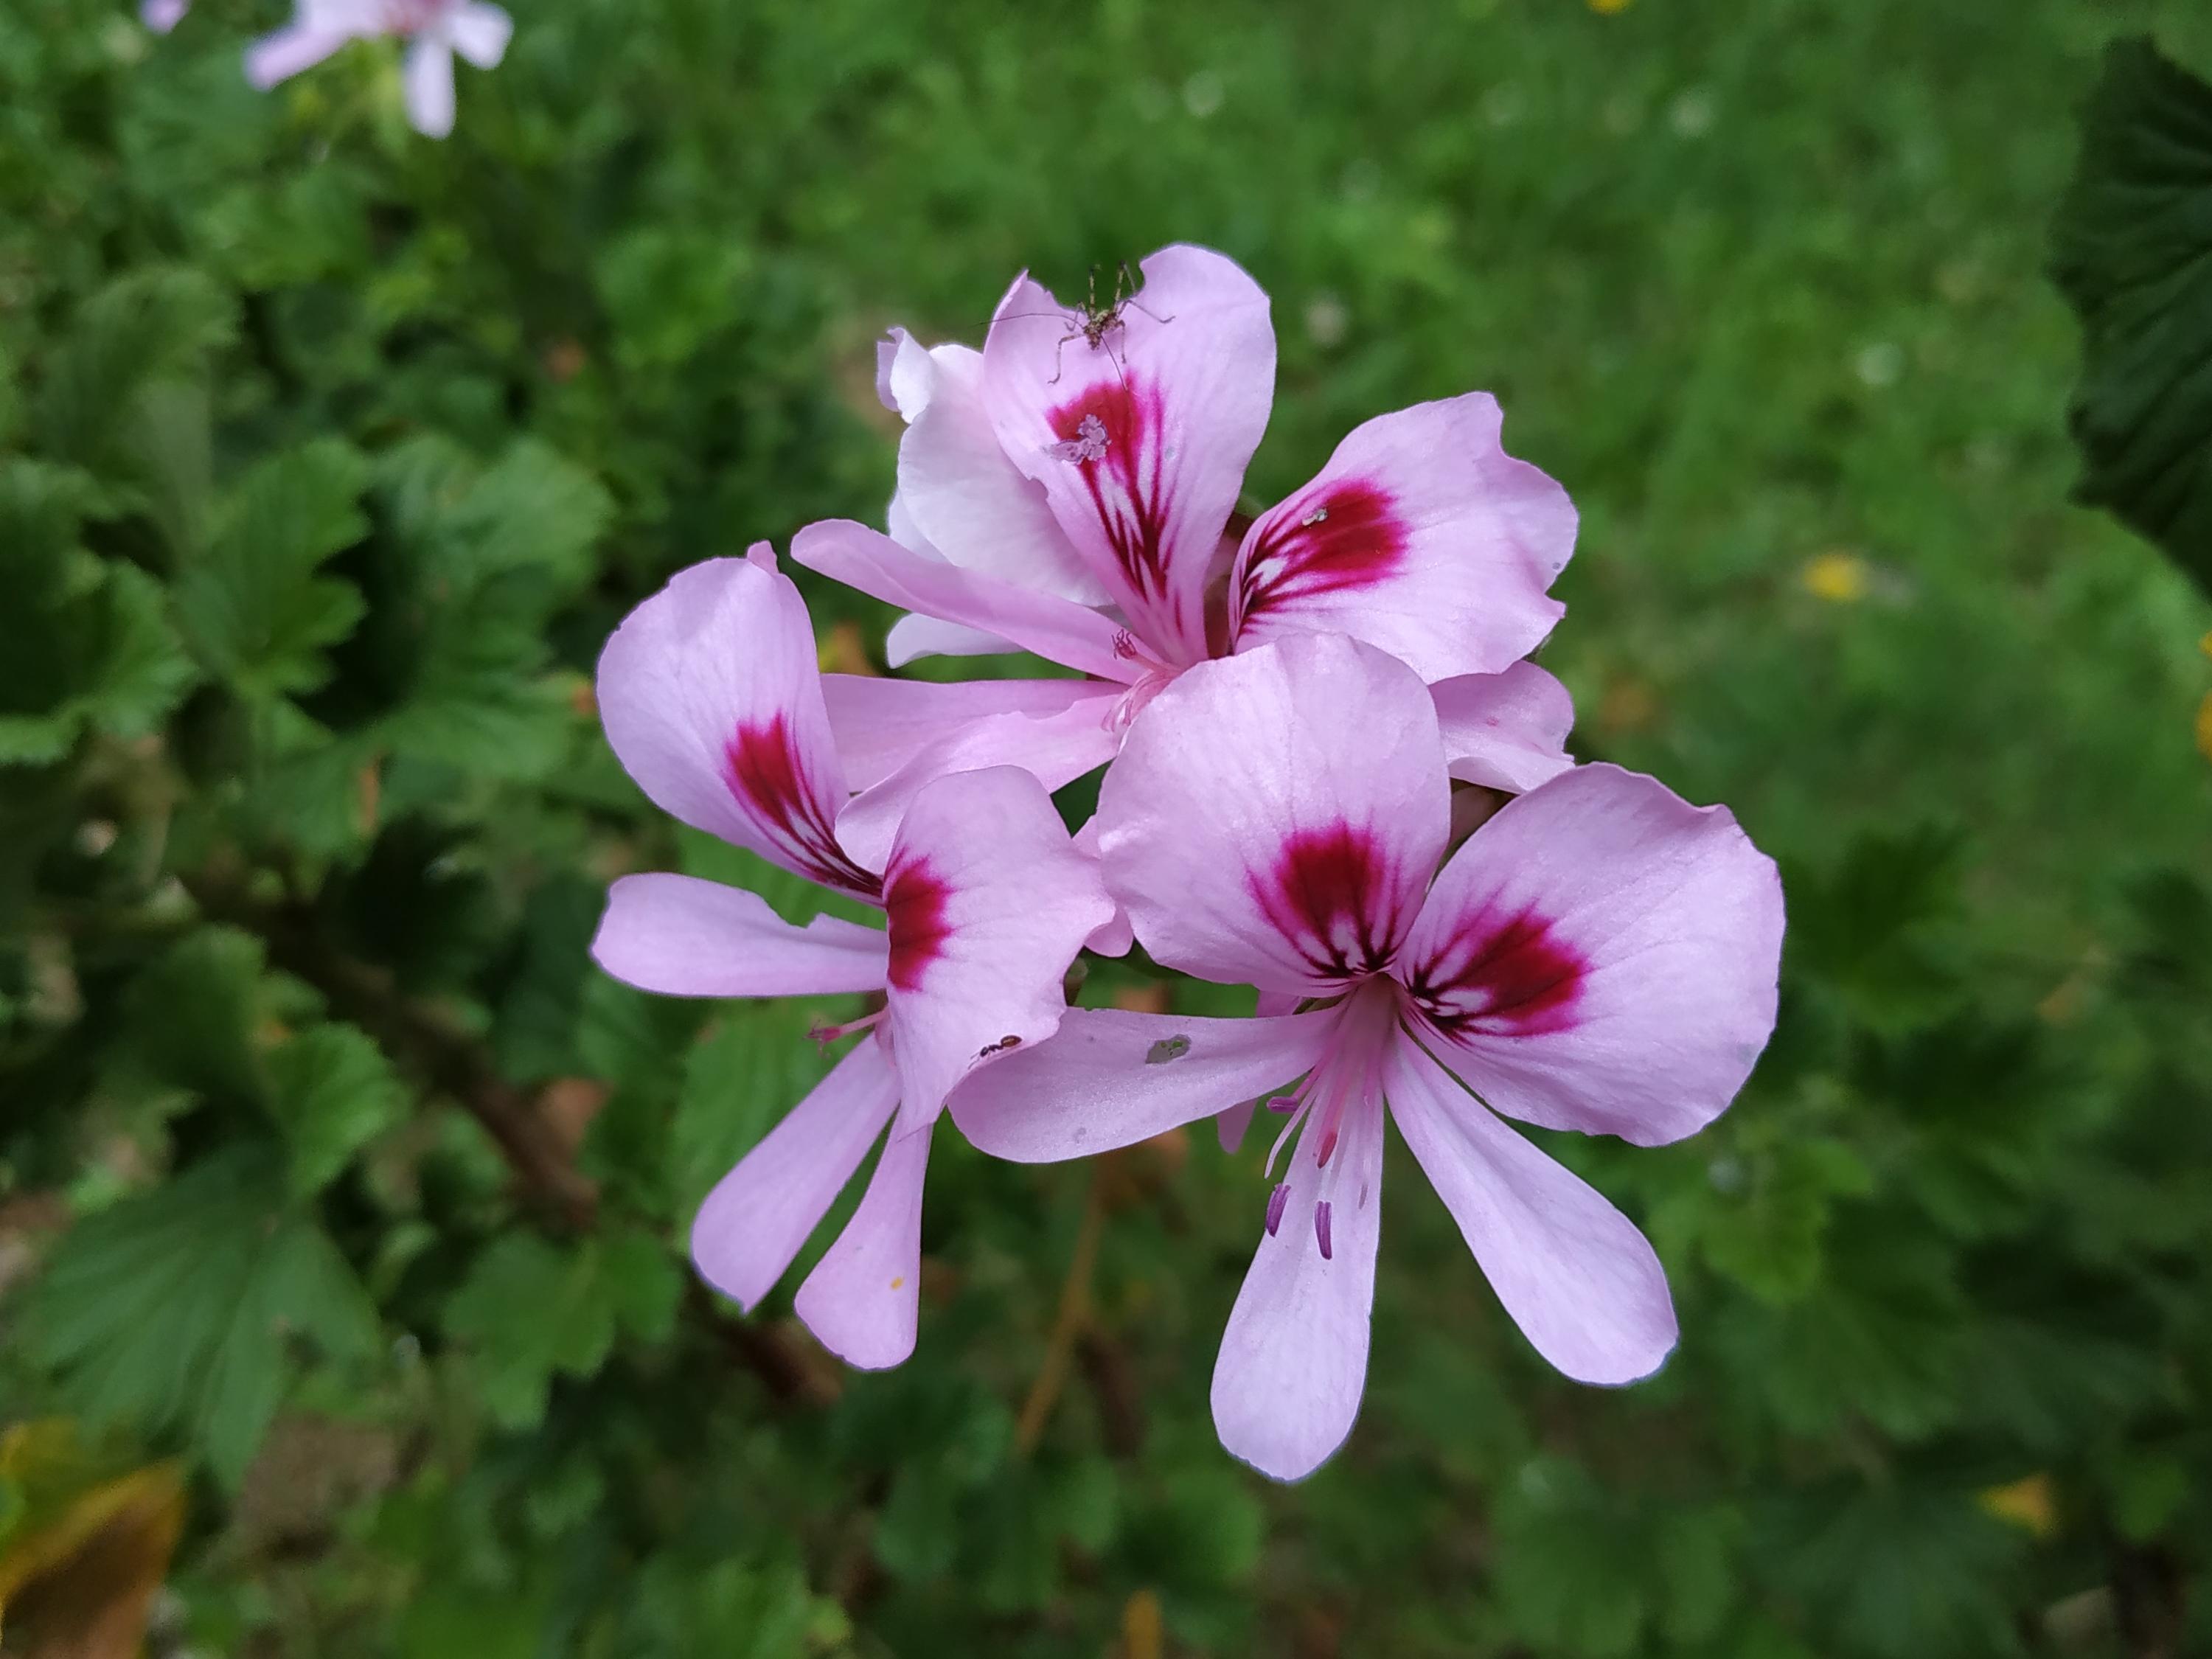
(436, 29)
(1069, 491)
(711, 697)
(162, 15)
(1599, 956)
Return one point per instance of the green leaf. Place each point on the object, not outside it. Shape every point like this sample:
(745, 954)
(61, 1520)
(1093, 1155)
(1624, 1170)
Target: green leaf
(472, 564)
(254, 607)
(530, 1310)
(532, 510)
(179, 1312)
(332, 1092)
(84, 641)
(192, 1015)
(2132, 251)
(144, 329)
(1901, 1569)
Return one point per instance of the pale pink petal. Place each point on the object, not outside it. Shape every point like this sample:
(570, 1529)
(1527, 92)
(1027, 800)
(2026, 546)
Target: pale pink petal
(1141, 440)
(712, 698)
(958, 490)
(917, 635)
(862, 1301)
(1581, 1283)
(1115, 939)
(759, 1214)
(1602, 956)
(1274, 817)
(1505, 730)
(1229, 1127)
(480, 32)
(912, 636)
(1053, 749)
(684, 936)
(1057, 629)
(279, 56)
(1293, 1361)
(904, 373)
(881, 724)
(1111, 1079)
(162, 15)
(1420, 536)
(427, 78)
(988, 902)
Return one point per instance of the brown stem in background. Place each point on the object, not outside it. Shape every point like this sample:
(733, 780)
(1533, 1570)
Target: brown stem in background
(1069, 1323)
(427, 1041)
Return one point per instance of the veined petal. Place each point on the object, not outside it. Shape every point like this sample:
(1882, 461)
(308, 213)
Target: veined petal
(862, 1301)
(1140, 425)
(1506, 731)
(712, 698)
(1583, 1284)
(1602, 956)
(427, 81)
(1293, 1361)
(680, 936)
(1111, 1079)
(1274, 816)
(1057, 629)
(1053, 749)
(759, 1214)
(881, 724)
(988, 903)
(957, 488)
(1420, 536)
(480, 32)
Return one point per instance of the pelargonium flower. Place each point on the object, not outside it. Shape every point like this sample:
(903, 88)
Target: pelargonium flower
(712, 699)
(1599, 956)
(435, 30)
(1070, 491)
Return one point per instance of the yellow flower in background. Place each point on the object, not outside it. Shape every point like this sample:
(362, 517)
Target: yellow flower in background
(2204, 726)
(1839, 577)
(1608, 8)
(2030, 1504)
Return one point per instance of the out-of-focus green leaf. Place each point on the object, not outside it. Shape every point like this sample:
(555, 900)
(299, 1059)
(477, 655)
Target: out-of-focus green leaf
(531, 1309)
(256, 607)
(2132, 249)
(332, 1092)
(181, 1311)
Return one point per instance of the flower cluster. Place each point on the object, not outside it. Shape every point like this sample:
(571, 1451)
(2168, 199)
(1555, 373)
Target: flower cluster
(1332, 775)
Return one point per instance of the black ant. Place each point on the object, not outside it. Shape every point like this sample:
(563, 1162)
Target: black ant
(1094, 322)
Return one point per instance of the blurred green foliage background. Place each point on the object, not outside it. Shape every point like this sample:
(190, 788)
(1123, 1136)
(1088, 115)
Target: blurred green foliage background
(331, 1170)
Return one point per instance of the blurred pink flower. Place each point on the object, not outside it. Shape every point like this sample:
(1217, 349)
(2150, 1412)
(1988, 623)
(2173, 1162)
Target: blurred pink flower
(1599, 956)
(712, 698)
(434, 31)
(162, 15)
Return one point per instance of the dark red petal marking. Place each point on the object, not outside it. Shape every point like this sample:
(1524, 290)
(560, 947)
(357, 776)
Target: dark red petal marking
(915, 908)
(1509, 977)
(1112, 435)
(1332, 895)
(762, 768)
(1346, 536)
